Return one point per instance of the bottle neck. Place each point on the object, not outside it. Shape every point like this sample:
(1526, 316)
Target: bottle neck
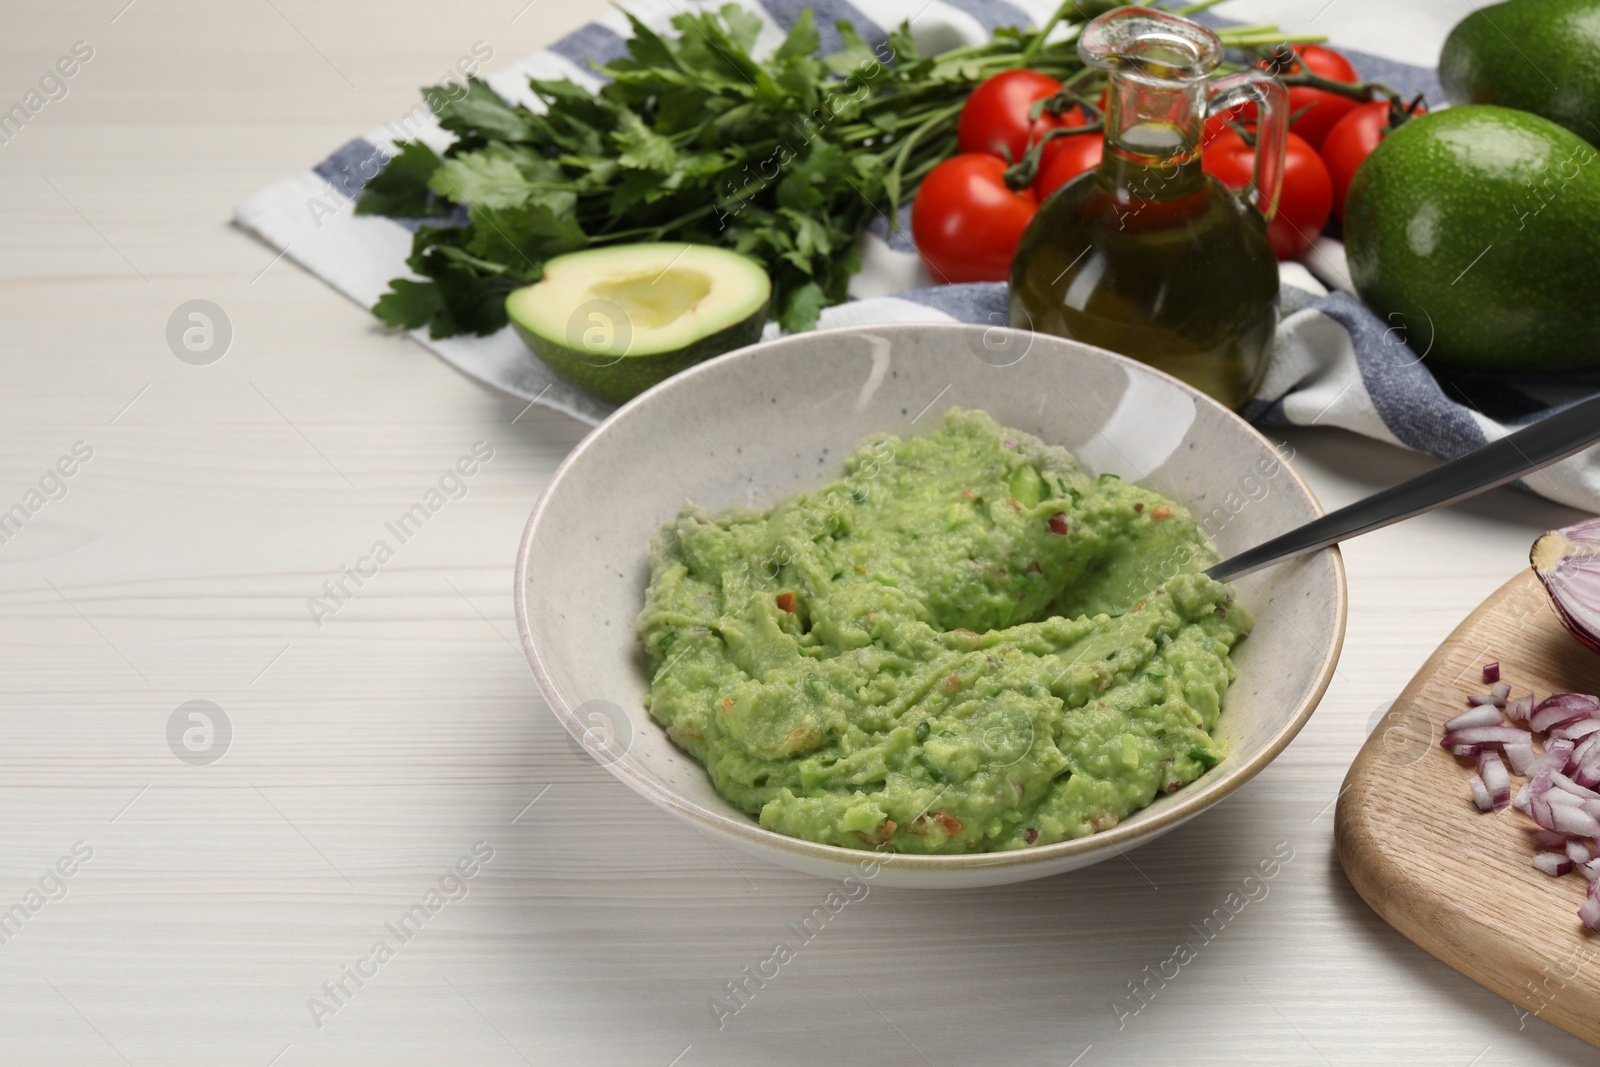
(1153, 134)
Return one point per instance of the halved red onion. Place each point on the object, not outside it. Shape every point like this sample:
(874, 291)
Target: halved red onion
(1491, 673)
(1480, 794)
(1567, 561)
(1552, 863)
(1519, 708)
(1479, 716)
(1485, 735)
(1559, 708)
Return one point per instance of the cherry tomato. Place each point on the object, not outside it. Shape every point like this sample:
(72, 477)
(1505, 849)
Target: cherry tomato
(966, 221)
(1307, 189)
(1349, 143)
(1064, 158)
(995, 117)
(1326, 108)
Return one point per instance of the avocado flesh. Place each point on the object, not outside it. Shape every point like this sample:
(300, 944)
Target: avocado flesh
(616, 320)
(1541, 56)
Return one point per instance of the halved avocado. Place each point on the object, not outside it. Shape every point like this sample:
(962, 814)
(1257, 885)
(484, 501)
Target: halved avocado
(615, 321)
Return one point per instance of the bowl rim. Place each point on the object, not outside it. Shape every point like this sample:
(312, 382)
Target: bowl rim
(1126, 834)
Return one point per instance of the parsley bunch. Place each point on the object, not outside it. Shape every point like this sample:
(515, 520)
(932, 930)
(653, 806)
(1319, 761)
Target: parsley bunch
(787, 159)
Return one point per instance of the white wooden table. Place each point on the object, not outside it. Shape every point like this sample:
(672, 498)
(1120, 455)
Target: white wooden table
(369, 755)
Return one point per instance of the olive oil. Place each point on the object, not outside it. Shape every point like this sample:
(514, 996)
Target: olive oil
(1148, 255)
(1187, 284)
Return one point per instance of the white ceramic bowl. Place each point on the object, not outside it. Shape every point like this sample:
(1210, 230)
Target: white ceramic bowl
(755, 425)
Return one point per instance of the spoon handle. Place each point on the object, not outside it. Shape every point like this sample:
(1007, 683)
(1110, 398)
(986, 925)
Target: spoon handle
(1547, 441)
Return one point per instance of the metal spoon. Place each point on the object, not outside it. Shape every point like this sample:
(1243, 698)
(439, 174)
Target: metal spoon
(1547, 441)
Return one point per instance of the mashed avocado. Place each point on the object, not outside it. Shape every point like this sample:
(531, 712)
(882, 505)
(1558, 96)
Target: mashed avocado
(965, 644)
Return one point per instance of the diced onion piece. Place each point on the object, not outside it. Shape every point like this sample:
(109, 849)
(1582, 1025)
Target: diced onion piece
(1590, 912)
(1562, 782)
(1590, 870)
(1491, 673)
(1496, 779)
(1559, 708)
(1480, 794)
(1547, 838)
(1520, 756)
(1552, 863)
(1572, 820)
(1486, 735)
(1577, 851)
(1520, 708)
(1554, 758)
(1576, 730)
(1501, 690)
(1480, 716)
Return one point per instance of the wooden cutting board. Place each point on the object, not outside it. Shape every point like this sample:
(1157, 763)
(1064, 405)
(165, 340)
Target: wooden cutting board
(1457, 882)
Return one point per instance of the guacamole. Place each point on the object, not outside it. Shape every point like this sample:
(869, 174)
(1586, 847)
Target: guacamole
(965, 644)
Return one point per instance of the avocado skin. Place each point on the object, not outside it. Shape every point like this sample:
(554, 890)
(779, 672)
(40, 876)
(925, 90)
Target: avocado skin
(1474, 229)
(1541, 56)
(629, 376)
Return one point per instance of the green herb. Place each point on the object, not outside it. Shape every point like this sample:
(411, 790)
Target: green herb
(788, 159)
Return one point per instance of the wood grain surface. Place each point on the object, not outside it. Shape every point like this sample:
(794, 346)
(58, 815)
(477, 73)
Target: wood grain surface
(1456, 881)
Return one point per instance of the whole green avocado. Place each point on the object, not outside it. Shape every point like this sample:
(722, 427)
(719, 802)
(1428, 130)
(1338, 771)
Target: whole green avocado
(1476, 231)
(1541, 56)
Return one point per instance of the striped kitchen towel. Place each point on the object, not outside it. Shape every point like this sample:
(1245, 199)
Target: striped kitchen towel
(1334, 364)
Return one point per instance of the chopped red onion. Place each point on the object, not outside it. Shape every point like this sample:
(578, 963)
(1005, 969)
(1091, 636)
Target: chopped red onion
(1586, 750)
(1562, 782)
(1520, 756)
(1577, 729)
(1552, 863)
(1587, 774)
(1501, 691)
(1480, 716)
(1486, 735)
(1547, 838)
(1578, 852)
(1480, 794)
(1563, 799)
(1566, 818)
(1485, 700)
(1559, 708)
(1495, 779)
(1523, 799)
(1554, 758)
(1590, 912)
(1590, 870)
(1491, 673)
(1519, 709)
